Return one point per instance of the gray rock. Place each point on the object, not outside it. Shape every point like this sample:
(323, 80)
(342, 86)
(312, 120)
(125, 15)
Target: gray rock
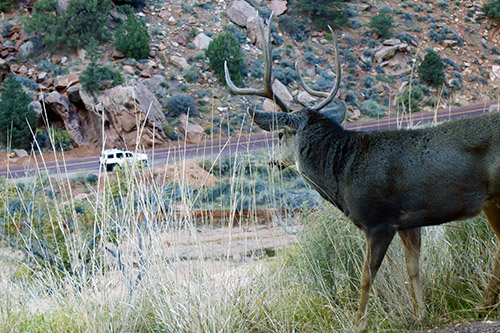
(239, 11)
(201, 41)
(20, 152)
(25, 50)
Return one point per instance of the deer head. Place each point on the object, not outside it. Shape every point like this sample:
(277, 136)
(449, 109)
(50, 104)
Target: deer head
(285, 122)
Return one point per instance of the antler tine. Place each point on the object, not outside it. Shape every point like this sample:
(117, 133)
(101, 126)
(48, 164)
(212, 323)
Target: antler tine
(329, 96)
(267, 91)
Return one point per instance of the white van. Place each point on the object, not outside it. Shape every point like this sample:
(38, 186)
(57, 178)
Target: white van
(110, 158)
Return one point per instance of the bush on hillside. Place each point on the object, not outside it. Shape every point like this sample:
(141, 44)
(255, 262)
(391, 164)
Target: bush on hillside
(74, 27)
(381, 24)
(492, 9)
(180, 103)
(324, 12)
(410, 100)
(17, 117)
(431, 70)
(5, 5)
(95, 74)
(223, 48)
(133, 38)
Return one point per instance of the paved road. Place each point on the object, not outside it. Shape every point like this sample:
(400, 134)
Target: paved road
(254, 142)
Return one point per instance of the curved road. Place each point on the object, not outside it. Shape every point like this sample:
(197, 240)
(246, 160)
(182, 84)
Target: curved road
(251, 143)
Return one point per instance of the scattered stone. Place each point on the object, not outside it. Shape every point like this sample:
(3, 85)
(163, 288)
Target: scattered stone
(65, 81)
(117, 54)
(179, 62)
(240, 11)
(201, 41)
(20, 152)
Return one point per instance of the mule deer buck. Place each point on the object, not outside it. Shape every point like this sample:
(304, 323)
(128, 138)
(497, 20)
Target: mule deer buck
(390, 181)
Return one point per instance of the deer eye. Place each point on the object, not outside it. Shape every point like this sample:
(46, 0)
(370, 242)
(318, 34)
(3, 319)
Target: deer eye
(280, 135)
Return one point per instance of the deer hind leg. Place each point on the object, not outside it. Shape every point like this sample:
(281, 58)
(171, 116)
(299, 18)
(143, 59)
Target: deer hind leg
(376, 247)
(411, 242)
(492, 212)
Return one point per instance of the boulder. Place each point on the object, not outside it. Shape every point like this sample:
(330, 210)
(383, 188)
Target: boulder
(201, 41)
(240, 11)
(25, 50)
(281, 90)
(20, 152)
(131, 114)
(192, 132)
(278, 7)
(386, 52)
(60, 106)
(179, 62)
(397, 65)
(63, 82)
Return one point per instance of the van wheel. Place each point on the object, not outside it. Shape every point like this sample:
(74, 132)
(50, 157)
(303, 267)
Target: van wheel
(110, 167)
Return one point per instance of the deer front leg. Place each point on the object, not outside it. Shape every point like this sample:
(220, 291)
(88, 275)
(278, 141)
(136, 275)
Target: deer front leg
(376, 247)
(411, 242)
(490, 295)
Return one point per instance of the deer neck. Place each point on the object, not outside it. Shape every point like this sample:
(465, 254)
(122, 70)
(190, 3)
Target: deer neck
(324, 153)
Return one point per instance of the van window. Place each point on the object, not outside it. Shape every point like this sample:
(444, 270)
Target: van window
(119, 155)
(110, 156)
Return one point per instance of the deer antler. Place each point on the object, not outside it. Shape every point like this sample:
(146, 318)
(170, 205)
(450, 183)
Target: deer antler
(267, 91)
(327, 95)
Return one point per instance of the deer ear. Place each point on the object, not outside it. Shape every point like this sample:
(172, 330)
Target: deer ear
(269, 121)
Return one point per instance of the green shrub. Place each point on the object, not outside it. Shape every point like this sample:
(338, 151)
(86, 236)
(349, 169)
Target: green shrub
(324, 12)
(180, 103)
(371, 108)
(492, 9)
(133, 39)
(190, 74)
(381, 24)
(61, 139)
(410, 100)
(17, 116)
(95, 74)
(81, 22)
(5, 5)
(431, 69)
(223, 48)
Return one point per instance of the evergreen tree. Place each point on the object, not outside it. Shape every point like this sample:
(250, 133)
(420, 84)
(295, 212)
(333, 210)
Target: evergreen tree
(222, 48)
(431, 70)
(133, 39)
(74, 27)
(16, 116)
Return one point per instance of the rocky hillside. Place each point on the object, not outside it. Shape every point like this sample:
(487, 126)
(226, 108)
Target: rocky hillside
(376, 71)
